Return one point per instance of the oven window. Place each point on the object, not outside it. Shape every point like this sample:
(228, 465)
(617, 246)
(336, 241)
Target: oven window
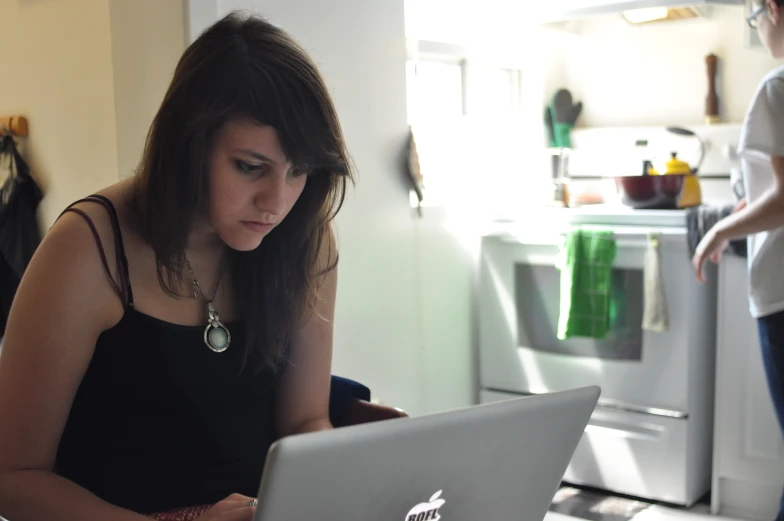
(537, 301)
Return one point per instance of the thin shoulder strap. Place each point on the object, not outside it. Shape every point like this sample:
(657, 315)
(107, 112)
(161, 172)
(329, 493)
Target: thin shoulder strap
(123, 283)
(118, 244)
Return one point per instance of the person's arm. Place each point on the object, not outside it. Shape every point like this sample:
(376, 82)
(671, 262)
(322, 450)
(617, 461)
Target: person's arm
(764, 214)
(303, 401)
(62, 305)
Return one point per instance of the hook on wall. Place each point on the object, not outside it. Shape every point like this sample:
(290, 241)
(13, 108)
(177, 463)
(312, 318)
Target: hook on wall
(14, 126)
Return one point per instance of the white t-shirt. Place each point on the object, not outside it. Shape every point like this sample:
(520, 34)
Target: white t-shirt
(761, 138)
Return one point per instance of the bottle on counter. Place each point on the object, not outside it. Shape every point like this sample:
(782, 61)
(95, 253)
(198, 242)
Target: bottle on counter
(561, 178)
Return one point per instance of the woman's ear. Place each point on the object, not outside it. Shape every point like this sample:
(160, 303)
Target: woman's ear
(774, 11)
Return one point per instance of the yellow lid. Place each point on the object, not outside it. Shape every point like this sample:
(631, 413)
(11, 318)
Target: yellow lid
(676, 166)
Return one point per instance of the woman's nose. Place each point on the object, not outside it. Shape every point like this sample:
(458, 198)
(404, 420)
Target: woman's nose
(271, 195)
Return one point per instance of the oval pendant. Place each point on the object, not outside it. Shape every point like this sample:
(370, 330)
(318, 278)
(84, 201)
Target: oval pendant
(216, 335)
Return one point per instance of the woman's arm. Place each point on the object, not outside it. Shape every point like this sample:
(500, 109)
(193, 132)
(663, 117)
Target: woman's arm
(764, 214)
(303, 400)
(64, 302)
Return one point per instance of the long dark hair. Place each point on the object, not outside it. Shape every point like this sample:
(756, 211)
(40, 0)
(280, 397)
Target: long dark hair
(246, 68)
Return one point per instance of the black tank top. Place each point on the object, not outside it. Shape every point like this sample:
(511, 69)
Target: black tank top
(160, 421)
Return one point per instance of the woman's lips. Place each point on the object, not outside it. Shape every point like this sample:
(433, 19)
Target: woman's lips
(259, 227)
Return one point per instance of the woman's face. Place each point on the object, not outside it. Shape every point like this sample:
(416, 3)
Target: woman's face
(252, 186)
(770, 27)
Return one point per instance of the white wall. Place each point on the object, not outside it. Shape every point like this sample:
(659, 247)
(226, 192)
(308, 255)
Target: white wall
(57, 71)
(655, 74)
(148, 37)
(89, 75)
(359, 47)
(502, 167)
(626, 75)
(403, 318)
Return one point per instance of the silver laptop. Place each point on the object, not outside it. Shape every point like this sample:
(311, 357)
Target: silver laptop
(498, 462)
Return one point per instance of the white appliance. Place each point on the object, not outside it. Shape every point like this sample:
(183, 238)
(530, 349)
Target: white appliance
(748, 453)
(651, 435)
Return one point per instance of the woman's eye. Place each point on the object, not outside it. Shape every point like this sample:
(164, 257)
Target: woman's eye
(250, 168)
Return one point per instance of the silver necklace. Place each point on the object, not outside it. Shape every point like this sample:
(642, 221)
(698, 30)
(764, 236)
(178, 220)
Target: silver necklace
(216, 334)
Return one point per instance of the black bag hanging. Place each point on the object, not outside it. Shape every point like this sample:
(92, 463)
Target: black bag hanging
(19, 231)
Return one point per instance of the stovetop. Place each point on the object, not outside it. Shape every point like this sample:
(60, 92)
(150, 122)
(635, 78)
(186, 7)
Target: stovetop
(601, 215)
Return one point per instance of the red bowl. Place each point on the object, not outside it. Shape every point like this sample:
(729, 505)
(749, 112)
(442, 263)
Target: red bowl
(651, 191)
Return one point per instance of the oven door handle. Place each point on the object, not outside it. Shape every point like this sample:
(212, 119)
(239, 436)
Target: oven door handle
(624, 430)
(621, 244)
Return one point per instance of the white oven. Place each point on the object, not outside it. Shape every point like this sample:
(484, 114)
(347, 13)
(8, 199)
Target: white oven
(651, 434)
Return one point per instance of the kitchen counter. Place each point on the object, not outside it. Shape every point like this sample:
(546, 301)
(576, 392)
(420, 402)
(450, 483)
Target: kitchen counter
(614, 215)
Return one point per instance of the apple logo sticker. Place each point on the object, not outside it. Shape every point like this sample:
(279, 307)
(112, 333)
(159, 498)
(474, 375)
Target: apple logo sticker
(427, 511)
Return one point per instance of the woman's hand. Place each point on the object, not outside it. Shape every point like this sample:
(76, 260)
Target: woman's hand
(236, 507)
(711, 247)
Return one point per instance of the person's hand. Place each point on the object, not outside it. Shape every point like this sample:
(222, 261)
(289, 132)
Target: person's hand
(236, 507)
(711, 247)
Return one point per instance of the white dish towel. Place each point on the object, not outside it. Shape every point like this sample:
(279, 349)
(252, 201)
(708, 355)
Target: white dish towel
(655, 316)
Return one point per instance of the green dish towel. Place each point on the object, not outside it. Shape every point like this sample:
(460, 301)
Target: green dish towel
(586, 284)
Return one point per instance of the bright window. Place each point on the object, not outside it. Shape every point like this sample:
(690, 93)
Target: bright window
(464, 114)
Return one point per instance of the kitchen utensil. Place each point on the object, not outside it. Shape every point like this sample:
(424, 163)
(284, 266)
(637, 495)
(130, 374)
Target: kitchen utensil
(415, 178)
(562, 106)
(561, 177)
(692, 193)
(688, 133)
(712, 100)
(574, 115)
(555, 159)
(659, 192)
(565, 114)
(676, 166)
(550, 125)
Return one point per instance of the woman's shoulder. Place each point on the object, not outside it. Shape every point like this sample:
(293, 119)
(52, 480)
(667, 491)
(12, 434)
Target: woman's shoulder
(88, 231)
(92, 218)
(75, 257)
(776, 74)
(770, 92)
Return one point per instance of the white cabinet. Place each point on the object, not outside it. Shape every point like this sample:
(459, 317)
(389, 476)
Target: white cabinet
(748, 459)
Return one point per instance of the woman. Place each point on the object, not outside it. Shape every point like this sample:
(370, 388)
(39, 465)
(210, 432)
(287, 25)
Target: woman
(761, 216)
(170, 328)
